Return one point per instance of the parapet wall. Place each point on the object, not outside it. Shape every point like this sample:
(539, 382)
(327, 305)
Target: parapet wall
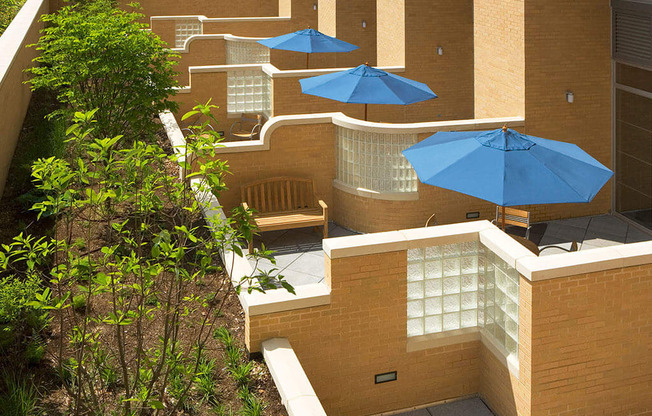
(15, 57)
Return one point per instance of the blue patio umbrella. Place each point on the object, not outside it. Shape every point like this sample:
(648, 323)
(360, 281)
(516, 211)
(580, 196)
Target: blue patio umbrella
(308, 41)
(508, 168)
(367, 85)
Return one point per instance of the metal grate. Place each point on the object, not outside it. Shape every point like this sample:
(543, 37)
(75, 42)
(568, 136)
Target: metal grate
(632, 32)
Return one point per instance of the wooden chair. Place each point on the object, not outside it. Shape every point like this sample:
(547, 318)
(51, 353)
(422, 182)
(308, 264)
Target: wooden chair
(513, 216)
(247, 128)
(284, 203)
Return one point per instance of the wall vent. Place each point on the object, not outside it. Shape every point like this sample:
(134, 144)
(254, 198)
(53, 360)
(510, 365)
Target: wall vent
(632, 32)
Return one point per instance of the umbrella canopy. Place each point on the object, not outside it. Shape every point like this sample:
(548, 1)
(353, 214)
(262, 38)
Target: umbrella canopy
(367, 85)
(308, 41)
(508, 168)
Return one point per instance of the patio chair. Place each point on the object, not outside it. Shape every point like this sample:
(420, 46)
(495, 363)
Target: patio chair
(432, 220)
(247, 128)
(573, 247)
(516, 217)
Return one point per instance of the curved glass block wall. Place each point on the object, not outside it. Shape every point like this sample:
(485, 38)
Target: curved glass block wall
(374, 161)
(240, 52)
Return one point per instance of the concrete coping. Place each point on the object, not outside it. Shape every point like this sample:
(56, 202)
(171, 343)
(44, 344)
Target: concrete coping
(223, 36)
(205, 19)
(297, 394)
(528, 264)
(339, 119)
(13, 39)
(274, 72)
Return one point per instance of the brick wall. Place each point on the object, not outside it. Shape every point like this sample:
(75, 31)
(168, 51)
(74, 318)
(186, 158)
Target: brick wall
(568, 47)
(362, 332)
(499, 58)
(390, 16)
(209, 8)
(200, 52)
(306, 151)
(591, 338)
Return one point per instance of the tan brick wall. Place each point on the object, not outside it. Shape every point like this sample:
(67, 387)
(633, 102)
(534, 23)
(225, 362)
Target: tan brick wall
(350, 15)
(294, 151)
(499, 58)
(429, 24)
(14, 93)
(591, 339)
(327, 17)
(568, 47)
(206, 86)
(208, 8)
(390, 17)
(200, 52)
(362, 332)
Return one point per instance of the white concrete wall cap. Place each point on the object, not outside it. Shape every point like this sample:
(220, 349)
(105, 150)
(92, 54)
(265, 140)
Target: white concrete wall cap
(180, 17)
(186, 45)
(305, 73)
(585, 261)
(245, 19)
(13, 39)
(445, 234)
(342, 120)
(504, 246)
(278, 300)
(364, 244)
(293, 385)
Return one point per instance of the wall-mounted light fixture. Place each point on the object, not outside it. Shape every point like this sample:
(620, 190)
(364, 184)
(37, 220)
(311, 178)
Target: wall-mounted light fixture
(364, 24)
(385, 377)
(314, 6)
(570, 97)
(440, 50)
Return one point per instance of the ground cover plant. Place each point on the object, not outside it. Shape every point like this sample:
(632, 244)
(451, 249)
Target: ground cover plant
(8, 9)
(112, 310)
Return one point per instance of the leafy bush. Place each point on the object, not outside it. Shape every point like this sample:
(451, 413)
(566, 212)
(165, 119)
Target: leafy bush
(18, 396)
(97, 56)
(8, 9)
(79, 303)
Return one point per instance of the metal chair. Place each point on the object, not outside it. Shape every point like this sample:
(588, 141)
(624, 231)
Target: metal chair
(247, 128)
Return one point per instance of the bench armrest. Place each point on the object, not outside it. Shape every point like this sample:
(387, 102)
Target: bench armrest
(245, 206)
(324, 207)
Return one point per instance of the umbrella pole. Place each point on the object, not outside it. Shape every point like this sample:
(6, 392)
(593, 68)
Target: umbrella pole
(502, 211)
(307, 61)
(365, 112)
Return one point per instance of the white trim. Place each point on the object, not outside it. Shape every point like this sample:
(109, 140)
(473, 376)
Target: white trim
(297, 394)
(13, 39)
(204, 19)
(368, 193)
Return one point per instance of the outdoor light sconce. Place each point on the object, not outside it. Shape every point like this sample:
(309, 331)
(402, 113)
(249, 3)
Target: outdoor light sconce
(314, 6)
(385, 377)
(440, 50)
(364, 24)
(570, 97)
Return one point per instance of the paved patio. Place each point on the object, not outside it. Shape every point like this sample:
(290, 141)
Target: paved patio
(300, 258)
(298, 253)
(467, 407)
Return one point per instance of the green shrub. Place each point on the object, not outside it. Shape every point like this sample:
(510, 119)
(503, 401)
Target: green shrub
(97, 56)
(35, 351)
(18, 396)
(79, 303)
(241, 374)
(8, 9)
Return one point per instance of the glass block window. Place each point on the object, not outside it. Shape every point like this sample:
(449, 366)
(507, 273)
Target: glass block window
(241, 52)
(459, 286)
(501, 302)
(374, 160)
(248, 92)
(442, 288)
(185, 29)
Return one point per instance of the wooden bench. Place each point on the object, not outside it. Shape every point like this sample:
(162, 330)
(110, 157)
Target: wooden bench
(284, 203)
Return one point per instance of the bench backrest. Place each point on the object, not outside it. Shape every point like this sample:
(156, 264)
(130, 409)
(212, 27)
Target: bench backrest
(513, 216)
(279, 194)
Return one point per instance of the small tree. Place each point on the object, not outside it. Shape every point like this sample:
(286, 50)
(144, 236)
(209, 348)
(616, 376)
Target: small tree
(131, 237)
(96, 56)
